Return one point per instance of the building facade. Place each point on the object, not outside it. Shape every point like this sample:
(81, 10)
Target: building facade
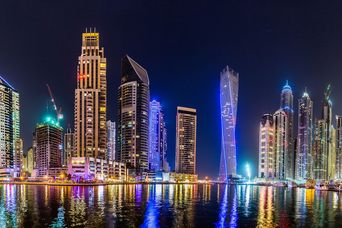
(133, 117)
(305, 138)
(281, 143)
(229, 86)
(28, 161)
(338, 147)
(90, 99)
(186, 127)
(9, 128)
(18, 155)
(266, 148)
(320, 153)
(48, 149)
(69, 146)
(111, 137)
(286, 104)
(157, 137)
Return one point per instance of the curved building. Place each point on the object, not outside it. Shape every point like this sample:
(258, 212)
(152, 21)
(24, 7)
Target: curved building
(229, 85)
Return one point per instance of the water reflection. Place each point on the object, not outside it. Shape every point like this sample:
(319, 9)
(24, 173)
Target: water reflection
(167, 206)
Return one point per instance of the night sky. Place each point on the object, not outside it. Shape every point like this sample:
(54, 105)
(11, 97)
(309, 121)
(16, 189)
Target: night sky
(183, 46)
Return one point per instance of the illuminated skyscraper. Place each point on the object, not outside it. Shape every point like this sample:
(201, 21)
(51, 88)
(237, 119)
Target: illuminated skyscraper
(132, 120)
(266, 147)
(338, 147)
(305, 138)
(18, 155)
(186, 127)
(319, 151)
(9, 128)
(229, 87)
(90, 99)
(48, 149)
(286, 104)
(69, 146)
(157, 137)
(330, 141)
(111, 140)
(280, 140)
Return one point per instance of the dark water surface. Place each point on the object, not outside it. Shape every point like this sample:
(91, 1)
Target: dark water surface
(167, 206)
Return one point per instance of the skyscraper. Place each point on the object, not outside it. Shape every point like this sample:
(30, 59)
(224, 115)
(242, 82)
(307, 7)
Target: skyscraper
(132, 120)
(281, 146)
(305, 138)
(90, 99)
(9, 128)
(111, 140)
(330, 150)
(286, 104)
(186, 126)
(69, 146)
(339, 147)
(48, 139)
(157, 137)
(229, 87)
(319, 151)
(266, 147)
(18, 155)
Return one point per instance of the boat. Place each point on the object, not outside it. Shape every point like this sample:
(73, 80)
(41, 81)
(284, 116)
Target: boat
(310, 184)
(322, 186)
(338, 186)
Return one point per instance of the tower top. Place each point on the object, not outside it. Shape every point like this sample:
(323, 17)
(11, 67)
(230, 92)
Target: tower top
(287, 86)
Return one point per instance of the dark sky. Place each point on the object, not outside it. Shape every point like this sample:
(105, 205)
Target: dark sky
(183, 45)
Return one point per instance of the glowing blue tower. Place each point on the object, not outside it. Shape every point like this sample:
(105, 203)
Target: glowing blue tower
(229, 86)
(157, 137)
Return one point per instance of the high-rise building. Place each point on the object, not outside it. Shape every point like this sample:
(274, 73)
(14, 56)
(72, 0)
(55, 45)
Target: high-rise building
(69, 146)
(280, 123)
(9, 128)
(286, 104)
(266, 147)
(186, 125)
(111, 140)
(157, 137)
(327, 117)
(28, 161)
(319, 151)
(90, 99)
(338, 147)
(48, 148)
(305, 138)
(133, 120)
(229, 87)
(332, 154)
(18, 155)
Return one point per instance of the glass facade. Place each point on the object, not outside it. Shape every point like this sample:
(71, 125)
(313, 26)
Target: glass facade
(229, 85)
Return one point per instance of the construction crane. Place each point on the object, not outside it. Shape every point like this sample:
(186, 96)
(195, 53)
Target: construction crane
(59, 115)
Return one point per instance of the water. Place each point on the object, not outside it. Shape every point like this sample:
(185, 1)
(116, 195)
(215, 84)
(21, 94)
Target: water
(167, 206)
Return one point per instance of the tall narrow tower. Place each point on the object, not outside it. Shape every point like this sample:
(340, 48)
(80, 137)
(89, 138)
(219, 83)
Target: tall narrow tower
(90, 99)
(157, 137)
(229, 86)
(133, 116)
(286, 104)
(305, 138)
(266, 147)
(186, 127)
(330, 134)
(338, 147)
(9, 128)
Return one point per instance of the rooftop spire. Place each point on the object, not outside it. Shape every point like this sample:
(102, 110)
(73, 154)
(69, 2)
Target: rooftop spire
(287, 86)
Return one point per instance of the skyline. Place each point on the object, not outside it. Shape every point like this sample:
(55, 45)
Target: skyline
(273, 68)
